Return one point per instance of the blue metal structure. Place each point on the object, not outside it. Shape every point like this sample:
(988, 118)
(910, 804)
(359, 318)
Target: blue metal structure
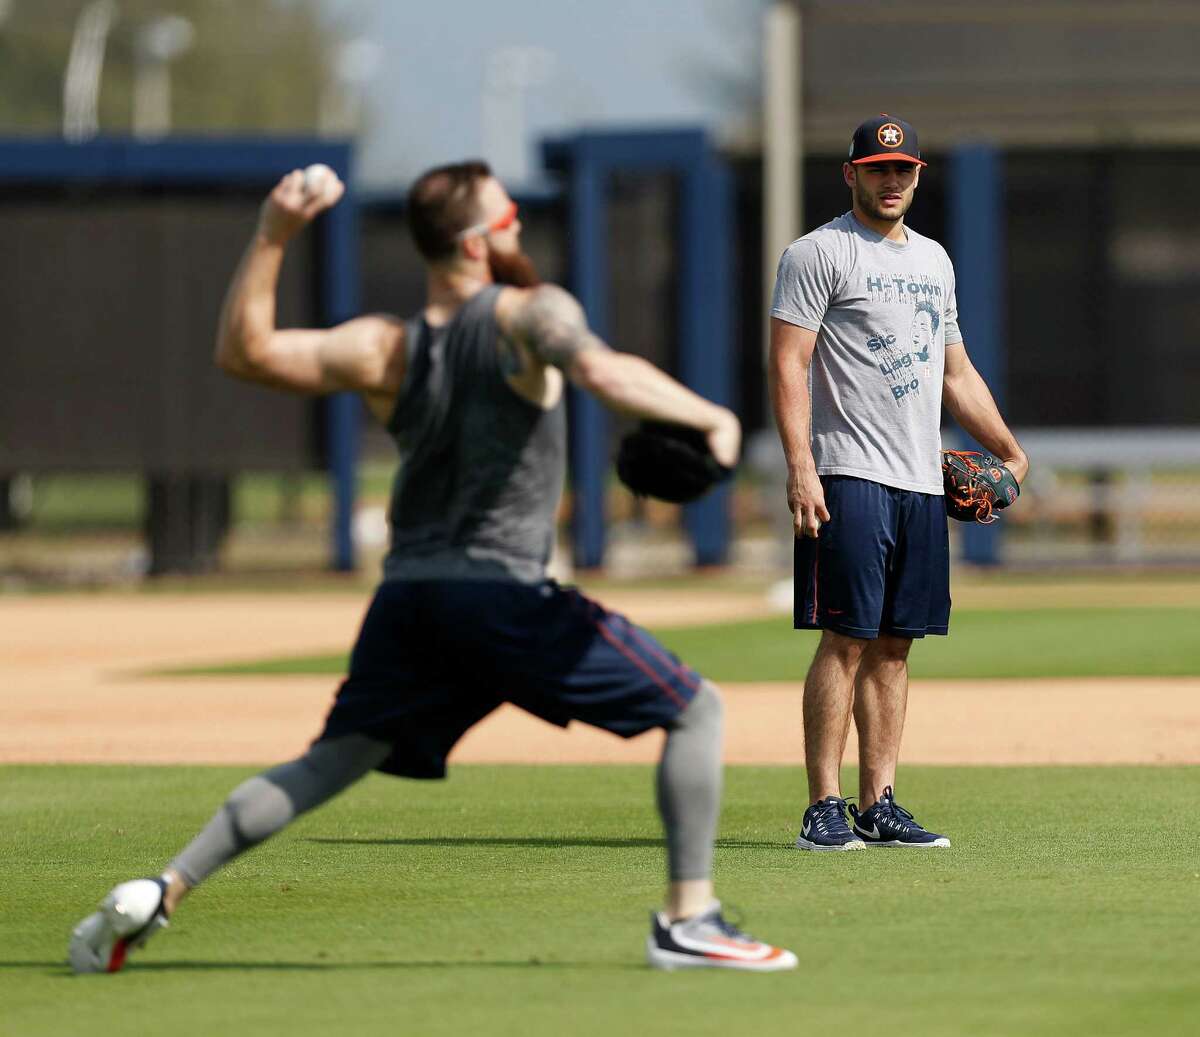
(243, 162)
(975, 203)
(705, 308)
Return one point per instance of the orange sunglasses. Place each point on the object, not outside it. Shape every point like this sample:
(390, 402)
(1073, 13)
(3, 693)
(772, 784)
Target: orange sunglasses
(502, 222)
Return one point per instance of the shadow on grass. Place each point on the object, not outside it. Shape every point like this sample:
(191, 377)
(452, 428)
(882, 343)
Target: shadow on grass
(61, 970)
(547, 842)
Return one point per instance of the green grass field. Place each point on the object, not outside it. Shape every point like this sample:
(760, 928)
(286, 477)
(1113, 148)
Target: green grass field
(66, 504)
(1061, 642)
(513, 901)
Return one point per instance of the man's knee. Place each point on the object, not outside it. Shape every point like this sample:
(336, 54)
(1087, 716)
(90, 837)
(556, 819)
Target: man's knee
(844, 649)
(256, 808)
(887, 649)
(707, 708)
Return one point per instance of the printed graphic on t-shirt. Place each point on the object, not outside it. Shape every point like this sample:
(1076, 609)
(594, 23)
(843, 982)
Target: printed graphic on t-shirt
(884, 287)
(897, 365)
(902, 360)
(923, 331)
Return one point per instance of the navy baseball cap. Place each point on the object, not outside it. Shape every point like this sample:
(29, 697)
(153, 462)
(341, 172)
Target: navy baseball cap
(882, 138)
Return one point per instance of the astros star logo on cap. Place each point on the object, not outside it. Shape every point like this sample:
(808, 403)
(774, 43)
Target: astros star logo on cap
(890, 135)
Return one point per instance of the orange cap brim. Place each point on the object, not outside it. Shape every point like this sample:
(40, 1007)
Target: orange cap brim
(894, 156)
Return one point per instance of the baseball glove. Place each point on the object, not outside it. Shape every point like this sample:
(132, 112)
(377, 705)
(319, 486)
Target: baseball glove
(977, 485)
(669, 462)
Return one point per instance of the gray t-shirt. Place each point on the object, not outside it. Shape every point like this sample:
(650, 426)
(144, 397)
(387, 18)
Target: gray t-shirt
(884, 312)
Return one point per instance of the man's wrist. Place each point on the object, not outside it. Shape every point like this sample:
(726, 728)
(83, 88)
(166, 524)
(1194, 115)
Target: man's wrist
(1018, 463)
(268, 239)
(723, 416)
(716, 419)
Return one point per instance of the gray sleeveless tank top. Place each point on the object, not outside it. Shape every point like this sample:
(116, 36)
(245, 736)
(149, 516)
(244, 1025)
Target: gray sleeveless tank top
(481, 468)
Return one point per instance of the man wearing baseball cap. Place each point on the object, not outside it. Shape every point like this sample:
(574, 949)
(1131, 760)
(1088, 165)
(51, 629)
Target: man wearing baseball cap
(865, 350)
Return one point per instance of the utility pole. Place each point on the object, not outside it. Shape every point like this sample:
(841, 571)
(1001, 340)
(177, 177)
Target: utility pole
(342, 105)
(81, 83)
(783, 141)
(159, 42)
(508, 75)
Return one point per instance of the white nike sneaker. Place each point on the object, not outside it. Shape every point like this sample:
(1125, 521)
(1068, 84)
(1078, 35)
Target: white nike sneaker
(128, 917)
(707, 940)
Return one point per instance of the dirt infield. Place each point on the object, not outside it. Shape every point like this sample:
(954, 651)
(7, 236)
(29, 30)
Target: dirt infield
(72, 691)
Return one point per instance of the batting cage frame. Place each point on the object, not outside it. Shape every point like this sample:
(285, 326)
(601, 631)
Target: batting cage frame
(975, 216)
(225, 162)
(704, 305)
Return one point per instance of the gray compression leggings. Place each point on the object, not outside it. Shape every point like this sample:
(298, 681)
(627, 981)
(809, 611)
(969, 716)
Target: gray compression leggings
(260, 806)
(688, 785)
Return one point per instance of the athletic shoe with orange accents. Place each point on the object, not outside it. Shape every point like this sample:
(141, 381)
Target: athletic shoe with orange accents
(707, 940)
(128, 917)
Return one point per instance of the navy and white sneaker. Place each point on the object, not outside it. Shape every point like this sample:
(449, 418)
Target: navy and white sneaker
(825, 827)
(887, 823)
(707, 940)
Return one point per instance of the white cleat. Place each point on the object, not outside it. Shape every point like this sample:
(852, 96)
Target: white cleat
(128, 917)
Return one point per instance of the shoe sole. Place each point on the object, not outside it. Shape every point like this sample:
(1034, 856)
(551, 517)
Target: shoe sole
(805, 844)
(670, 961)
(942, 844)
(97, 944)
(85, 951)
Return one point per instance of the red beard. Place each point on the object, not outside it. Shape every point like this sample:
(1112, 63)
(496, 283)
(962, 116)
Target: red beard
(513, 268)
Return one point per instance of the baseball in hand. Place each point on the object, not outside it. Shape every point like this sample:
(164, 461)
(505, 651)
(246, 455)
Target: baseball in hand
(317, 179)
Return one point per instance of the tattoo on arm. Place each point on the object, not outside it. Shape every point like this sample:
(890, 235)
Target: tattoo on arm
(552, 324)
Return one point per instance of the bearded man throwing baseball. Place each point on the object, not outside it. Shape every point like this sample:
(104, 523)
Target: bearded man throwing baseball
(471, 390)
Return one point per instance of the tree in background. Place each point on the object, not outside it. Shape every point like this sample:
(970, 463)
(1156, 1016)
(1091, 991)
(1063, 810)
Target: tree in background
(257, 65)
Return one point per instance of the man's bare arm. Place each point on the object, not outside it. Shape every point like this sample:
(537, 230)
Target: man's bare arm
(362, 355)
(549, 321)
(790, 357)
(551, 325)
(967, 398)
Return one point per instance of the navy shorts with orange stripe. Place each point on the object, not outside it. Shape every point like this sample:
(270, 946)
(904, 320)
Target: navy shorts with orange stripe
(880, 565)
(435, 657)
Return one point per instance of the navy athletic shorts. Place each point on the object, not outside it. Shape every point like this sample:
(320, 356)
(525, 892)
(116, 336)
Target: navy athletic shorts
(434, 658)
(880, 565)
